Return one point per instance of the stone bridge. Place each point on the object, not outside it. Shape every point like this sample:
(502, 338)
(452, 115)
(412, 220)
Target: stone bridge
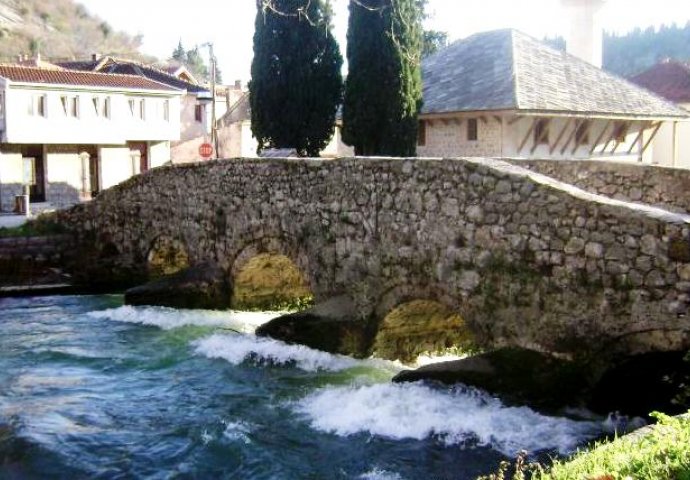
(524, 259)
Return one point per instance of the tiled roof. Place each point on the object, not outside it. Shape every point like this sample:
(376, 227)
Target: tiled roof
(21, 74)
(509, 70)
(669, 79)
(129, 67)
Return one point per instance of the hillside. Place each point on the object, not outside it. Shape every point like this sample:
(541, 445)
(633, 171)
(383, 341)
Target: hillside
(59, 29)
(636, 51)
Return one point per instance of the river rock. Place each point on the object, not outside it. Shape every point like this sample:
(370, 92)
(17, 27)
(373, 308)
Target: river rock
(641, 384)
(518, 376)
(203, 286)
(332, 326)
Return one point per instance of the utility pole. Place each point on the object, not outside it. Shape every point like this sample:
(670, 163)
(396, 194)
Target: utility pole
(214, 133)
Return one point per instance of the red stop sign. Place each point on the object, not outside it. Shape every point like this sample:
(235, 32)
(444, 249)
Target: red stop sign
(205, 150)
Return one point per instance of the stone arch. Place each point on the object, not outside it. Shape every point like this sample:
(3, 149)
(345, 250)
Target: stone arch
(414, 320)
(166, 256)
(269, 274)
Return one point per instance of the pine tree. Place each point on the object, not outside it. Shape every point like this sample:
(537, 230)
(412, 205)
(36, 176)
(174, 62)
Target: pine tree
(296, 83)
(383, 92)
(179, 53)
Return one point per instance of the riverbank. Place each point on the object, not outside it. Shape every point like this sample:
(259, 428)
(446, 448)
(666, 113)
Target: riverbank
(656, 452)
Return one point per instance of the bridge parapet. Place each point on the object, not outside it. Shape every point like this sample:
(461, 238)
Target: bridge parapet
(524, 259)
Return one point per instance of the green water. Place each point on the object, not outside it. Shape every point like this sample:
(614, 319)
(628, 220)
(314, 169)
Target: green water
(92, 389)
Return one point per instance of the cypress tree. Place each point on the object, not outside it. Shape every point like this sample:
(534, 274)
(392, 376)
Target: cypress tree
(296, 83)
(383, 91)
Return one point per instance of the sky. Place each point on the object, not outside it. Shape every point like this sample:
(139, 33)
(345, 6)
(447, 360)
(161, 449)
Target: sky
(229, 24)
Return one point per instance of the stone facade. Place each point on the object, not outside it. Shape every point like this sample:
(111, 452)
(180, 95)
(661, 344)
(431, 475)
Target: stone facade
(448, 137)
(525, 260)
(664, 187)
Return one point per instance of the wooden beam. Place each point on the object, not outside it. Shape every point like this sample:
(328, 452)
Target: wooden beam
(643, 127)
(560, 136)
(483, 119)
(514, 119)
(577, 145)
(498, 119)
(529, 132)
(600, 137)
(544, 133)
(656, 130)
(570, 137)
(618, 144)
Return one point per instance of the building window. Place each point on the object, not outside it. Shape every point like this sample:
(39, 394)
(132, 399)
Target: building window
(96, 105)
(199, 113)
(620, 132)
(131, 104)
(582, 133)
(166, 110)
(142, 109)
(421, 134)
(70, 105)
(2, 105)
(38, 106)
(541, 132)
(472, 131)
(106, 107)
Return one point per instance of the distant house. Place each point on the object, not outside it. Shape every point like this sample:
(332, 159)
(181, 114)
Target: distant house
(670, 79)
(69, 134)
(505, 94)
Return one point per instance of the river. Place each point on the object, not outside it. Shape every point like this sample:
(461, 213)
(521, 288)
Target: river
(90, 388)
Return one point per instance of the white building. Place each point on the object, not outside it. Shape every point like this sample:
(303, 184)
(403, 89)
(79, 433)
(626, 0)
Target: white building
(505, 94)
(195, 111)
(670, 79)
(70, 134)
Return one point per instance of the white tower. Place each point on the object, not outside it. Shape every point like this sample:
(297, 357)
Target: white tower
(585, 34)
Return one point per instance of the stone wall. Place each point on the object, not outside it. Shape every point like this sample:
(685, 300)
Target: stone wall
(524, 260)
(664, 187)
(27, 260)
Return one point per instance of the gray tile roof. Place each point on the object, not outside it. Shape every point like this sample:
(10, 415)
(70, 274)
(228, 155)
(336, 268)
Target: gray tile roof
(509, 70)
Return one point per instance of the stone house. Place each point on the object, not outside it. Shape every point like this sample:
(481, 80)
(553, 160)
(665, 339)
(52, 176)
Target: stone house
(671, 80)
(505, 94)
(69, 134)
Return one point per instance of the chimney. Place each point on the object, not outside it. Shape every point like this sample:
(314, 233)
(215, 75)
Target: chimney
(95, 56)
(238, 84)
(585, 34)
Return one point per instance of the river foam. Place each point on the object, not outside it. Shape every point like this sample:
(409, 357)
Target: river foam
(170, 318)
(454, 417)
(240, 348)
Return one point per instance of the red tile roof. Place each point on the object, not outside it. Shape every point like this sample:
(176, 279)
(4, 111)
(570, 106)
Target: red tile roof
(669, 79)
(16, 73)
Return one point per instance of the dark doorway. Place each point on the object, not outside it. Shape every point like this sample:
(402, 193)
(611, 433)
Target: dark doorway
(94, 175)
(34, 172)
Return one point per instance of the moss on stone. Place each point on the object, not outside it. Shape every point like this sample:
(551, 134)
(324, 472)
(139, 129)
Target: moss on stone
(421, 327)
(271, 282)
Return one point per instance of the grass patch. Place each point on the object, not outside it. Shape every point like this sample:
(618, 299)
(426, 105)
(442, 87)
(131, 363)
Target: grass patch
(660, 453)
(41, 226)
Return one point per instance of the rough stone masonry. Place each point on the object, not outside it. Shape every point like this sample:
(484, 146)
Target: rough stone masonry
(524, 259)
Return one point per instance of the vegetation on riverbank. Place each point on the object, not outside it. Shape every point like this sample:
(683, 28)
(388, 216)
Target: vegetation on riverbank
(661, 452)
(40, 226)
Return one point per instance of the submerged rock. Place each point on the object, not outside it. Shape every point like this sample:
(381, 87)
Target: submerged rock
(515, 375)
(332, 326)
(202, 286)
